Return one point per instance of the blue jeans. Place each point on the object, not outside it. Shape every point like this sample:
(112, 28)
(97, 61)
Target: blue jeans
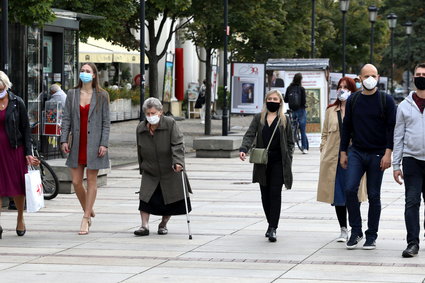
(360, 162)
(414, 179)
(301, 115)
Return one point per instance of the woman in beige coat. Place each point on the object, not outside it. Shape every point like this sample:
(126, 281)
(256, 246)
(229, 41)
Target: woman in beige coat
(332, 176)
(160, 150)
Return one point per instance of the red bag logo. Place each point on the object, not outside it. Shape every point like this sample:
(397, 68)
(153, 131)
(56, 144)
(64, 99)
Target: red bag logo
(39, 189)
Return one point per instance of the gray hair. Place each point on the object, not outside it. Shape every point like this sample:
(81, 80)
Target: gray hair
(152, 102)
(55, 88)
(4, 80)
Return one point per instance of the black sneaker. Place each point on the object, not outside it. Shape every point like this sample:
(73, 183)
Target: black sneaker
(353, 241)
(411, 250)
(369, 244)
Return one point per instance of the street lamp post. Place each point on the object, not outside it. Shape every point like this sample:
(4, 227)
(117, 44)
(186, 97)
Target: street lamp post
(142, 59)
(409, 29)
(225, 117)
(343, 6)
(313, 21)
(392, 22)
(373, 13)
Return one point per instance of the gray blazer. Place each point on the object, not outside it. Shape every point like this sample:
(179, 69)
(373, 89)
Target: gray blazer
(97, 130)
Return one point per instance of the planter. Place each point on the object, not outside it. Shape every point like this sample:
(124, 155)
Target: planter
(122, 109)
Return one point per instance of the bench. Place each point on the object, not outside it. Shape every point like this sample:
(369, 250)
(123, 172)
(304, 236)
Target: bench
(217, 146)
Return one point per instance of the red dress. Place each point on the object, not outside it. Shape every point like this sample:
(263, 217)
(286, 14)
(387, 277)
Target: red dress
(13, 164)
(84, 117)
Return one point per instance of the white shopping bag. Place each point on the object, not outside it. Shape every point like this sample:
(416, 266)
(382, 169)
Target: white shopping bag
(34, 191)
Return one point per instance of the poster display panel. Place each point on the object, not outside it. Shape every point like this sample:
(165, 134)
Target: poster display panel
(248, 87)
(168, 81)
(316, 87)
(214, 74)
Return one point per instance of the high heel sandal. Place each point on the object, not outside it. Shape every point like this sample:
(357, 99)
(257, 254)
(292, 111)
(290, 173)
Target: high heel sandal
(92, 214)
(88, 220)
(20, 233)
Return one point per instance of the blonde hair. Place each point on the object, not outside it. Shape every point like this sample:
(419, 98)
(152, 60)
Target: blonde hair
(280, 111)
(4, 80)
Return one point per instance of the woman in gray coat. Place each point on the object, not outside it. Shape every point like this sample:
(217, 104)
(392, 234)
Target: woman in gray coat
(160, 150)
(86, 120)
(277, 172)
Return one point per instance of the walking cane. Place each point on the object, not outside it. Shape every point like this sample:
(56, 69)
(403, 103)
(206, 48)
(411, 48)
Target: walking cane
(185, 203)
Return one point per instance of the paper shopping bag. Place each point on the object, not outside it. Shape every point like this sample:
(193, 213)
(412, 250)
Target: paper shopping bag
(34, 191)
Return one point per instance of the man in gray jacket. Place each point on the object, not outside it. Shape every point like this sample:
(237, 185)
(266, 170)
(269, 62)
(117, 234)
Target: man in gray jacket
(409, 149)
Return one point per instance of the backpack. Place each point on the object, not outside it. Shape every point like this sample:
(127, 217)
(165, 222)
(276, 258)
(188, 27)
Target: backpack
(382, 102)
(294, 98)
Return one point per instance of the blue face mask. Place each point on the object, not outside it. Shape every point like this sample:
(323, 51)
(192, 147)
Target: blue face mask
(358, 85)
(86, 77)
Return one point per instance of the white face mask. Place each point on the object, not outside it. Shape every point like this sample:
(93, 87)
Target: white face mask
(370, 83)
(3, 93)
(153, 120)
(343, 94)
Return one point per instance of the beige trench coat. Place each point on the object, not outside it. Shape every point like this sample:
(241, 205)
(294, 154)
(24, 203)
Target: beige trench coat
(329, 148)
(157, 154)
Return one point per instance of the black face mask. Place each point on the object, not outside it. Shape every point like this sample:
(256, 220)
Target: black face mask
(420, 83)
(272, 106)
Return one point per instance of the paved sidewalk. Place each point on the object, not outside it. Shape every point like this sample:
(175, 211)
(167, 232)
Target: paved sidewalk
(228, 228)
(228, 235)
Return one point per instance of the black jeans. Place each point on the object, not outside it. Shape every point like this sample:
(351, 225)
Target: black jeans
(414, 173)
(271, 194)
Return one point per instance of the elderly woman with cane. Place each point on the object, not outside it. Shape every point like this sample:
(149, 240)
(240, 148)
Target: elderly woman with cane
(160, 151)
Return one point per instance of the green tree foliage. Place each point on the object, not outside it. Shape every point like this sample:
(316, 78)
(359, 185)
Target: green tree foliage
(257, 30)
(406, 10)
(358, 31)
(31, 12)
(122, 19)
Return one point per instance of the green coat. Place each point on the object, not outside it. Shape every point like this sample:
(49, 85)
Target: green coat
(157, 154)
(286, 146)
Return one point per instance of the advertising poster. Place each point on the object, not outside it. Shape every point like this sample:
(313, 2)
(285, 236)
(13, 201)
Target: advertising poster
(315, 85)
(313, 105)
(247, 87)
(168, 81)
(214, 78)
(277, 82)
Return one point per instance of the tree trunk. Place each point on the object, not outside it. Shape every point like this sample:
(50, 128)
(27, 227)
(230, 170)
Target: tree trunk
(153, 77)
(208, 92)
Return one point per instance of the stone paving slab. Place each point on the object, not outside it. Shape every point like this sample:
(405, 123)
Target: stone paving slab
(228, 227)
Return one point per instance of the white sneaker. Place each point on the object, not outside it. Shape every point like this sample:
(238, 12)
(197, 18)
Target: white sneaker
(305, 151)
(343, 237)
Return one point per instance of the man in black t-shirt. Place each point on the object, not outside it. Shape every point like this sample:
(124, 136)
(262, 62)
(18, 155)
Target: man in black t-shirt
(369, 126)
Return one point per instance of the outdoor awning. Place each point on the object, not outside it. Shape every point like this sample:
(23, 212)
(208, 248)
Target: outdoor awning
(91, 53)
(100, 49)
